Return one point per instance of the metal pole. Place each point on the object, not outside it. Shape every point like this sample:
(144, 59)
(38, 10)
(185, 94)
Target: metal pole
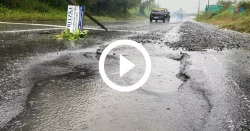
(208, 6)
(158, 3)
(199, 7)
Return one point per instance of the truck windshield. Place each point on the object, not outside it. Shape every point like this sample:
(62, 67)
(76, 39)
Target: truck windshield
(156, 11)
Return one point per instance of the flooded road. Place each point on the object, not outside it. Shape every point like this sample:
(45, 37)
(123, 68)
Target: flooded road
(199, 79)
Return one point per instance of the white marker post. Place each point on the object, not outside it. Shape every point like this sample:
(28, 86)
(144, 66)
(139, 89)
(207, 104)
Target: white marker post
(75, 18)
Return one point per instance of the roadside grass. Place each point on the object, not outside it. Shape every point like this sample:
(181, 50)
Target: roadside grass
(17, 15)
(224, 19)
(30, 15)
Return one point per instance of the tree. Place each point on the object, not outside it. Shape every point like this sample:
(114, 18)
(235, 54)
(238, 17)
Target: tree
(97, 7)
(225, 3)
(146, 4)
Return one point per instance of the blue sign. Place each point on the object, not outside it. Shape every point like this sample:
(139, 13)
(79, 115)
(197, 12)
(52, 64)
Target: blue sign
(81, 12)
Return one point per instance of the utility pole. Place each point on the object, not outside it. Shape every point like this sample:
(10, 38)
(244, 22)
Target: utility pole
(199, 6)
(158, 3)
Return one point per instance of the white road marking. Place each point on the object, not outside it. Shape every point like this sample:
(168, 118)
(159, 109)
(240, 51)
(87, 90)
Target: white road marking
(62, 27)
(31, 30)
(56, 27)
(11, 23)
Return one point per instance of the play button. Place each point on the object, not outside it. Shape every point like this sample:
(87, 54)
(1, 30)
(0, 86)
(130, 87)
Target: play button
(125, 65)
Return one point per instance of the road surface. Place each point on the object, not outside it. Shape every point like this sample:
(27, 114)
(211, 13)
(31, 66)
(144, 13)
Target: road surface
(199, 81)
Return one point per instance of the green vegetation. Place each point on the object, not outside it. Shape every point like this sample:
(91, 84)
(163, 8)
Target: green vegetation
(76, 35)
(42, 10)
(231, 20)
(21, 15)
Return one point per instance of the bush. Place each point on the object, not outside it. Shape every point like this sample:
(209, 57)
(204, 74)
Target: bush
(3, 9)
(225, 3)
(77, 34)
(245, 4)
(205, 16)
(43, 8)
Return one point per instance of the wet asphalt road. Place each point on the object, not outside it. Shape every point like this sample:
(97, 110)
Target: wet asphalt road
(199, 79)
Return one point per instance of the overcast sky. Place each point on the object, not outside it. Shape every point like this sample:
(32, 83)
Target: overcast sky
(189, 6)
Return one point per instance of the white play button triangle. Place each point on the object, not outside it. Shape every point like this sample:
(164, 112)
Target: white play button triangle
(125, 65)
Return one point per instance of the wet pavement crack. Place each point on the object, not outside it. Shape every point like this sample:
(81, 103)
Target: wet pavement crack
(186, 78)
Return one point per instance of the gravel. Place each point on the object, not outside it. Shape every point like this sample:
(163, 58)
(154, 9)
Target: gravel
(197, 37)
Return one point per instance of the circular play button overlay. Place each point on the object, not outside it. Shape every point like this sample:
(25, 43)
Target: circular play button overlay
(125, 65)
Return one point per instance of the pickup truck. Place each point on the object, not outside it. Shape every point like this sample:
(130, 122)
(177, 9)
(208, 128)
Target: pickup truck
(160, 14)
